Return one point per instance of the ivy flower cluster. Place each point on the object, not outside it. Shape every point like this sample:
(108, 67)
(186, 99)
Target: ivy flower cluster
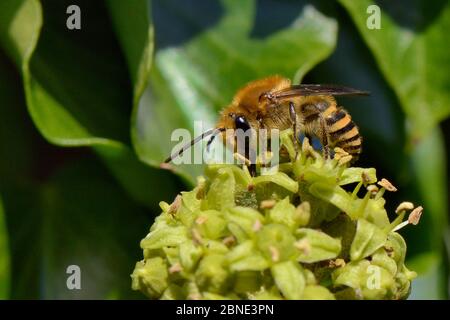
(314, 229)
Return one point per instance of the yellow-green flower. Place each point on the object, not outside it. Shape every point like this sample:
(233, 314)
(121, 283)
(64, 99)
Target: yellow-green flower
(292, 234)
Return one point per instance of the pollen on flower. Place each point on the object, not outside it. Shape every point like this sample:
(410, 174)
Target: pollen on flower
(337, 263)
(201, 220)
(345, 159)
(175, 268)
(373, 189)
(274, 253)
(228, 241)
(341, 155)
(404, 206)
(175, 205)
(414, 216)
(387, 185)
(201, 186)
(257, 225)
(366, 178)
(389, 250)
(304, 246)
(267, 204)
(307, 149)
(196, 236)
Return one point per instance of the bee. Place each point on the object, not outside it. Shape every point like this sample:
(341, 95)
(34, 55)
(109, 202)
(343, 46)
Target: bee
(274, 103)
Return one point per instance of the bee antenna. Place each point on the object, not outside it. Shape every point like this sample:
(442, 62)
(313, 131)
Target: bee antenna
(208, 144)
(214, 131)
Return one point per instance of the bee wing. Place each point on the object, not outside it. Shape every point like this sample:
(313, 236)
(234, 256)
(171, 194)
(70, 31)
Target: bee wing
(318, 90)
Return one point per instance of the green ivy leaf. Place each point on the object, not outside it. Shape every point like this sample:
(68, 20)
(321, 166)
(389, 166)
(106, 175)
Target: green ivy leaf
(86, 221)
(4, 256)
(134, 30)
(18, 191)
(429, 165)
(410, 54)
(79, 217)
(77, 92)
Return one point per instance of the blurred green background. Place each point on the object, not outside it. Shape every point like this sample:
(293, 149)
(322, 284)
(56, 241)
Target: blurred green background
(86, 117)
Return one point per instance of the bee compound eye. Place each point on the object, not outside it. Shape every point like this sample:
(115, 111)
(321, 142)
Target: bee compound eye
(241, 123)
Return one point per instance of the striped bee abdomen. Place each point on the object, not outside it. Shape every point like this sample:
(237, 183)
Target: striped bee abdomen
(343, 132)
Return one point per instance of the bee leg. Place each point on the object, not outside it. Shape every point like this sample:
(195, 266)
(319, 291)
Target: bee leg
(246, 163)
(326, 152)
(324, 139)
(293, 116)
(310, 138)
(252, 169)
(259, 118)
(251, 158)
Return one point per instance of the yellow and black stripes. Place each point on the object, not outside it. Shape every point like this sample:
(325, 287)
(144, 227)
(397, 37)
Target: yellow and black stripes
(343, 132)
(335, 117)
(331, 124)
(352, 145)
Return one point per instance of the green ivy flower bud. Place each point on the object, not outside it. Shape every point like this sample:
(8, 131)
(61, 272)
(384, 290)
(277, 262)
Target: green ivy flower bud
(173, 292)
(284, 213)
(302, 214)
(189, 254)
(211, 224)
(211, 275)
(315, 292)
(276, 242)
(245, 257)
(368, 239)
(150, 276)
(247, 281)
(316, 246)
(289, 279)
